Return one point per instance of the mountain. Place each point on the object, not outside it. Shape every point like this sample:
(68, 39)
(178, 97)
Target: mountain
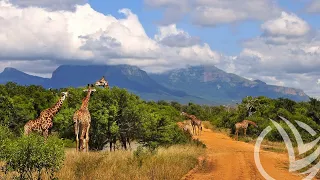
(216, 85)
(129, 77)
(11, 74)
(124, 76)
(198, 84)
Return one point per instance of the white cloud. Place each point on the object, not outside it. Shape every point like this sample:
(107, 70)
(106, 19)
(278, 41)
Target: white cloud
(318, 81)
(284, 29)
(34, 33)
(286, 25)
(294, 62)
(313, 6)
(214, 12)
(173, 37)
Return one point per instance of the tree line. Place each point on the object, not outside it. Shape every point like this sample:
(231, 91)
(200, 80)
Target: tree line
(120, 116)
(117, 115)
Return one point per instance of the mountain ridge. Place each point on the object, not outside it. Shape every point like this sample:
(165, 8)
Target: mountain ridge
(198, 84)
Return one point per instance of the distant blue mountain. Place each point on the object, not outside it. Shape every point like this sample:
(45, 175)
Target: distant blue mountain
(197, 84)
(213, 84)
(13, 75)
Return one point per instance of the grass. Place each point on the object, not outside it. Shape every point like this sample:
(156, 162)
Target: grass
(166, 163)
(208, 125)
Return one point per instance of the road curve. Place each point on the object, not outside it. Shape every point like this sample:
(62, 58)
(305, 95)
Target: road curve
(228, 159)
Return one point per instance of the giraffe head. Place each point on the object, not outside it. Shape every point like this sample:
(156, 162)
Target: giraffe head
(183, 113)
(64, 95)
(102, 82)
(90, 88)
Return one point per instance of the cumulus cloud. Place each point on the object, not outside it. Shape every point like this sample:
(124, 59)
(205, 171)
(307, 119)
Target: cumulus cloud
(173, 37)
(284, 29)
(214, 12)
(85, 35)
(294, 62)
(313, 6)
(286, 25)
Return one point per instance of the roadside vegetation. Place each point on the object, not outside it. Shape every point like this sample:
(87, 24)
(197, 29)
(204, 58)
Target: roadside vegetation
(119, 118)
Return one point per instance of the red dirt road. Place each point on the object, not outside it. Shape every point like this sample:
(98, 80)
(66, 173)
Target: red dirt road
(228, 159)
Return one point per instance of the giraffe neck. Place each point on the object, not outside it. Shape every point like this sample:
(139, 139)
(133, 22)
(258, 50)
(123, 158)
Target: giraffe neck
(58, 105)
(190, 116)
(250, 122)
(85, 101)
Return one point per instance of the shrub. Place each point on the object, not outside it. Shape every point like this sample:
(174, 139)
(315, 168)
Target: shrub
(5, 134)
(30, 156)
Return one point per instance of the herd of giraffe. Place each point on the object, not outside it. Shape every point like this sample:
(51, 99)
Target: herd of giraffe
(82, 119)
(197, 125)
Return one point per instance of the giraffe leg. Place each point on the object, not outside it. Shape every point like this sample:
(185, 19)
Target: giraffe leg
(245, 132)
(76, 131)
(192, 130)
(87, 138)
(45, 134)
(197, 130)
(82, 139)
(237, 134)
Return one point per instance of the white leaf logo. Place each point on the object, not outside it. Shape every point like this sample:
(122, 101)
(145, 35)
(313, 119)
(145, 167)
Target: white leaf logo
(294, 164)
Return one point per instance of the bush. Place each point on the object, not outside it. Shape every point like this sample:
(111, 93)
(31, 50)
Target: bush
(31, 157)
(5, 134)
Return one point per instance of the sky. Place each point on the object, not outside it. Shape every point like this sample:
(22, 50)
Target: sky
(276, 41)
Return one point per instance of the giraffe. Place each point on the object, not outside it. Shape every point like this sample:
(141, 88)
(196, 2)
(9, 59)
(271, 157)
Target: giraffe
(102, 82)
(243, 125)
(82, 121)
(43, 123)
(185, 127)
(195, 122)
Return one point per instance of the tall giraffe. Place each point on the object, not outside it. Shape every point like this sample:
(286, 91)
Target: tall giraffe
(102, 82)
(243, 125)
(82, 121)
(43, 123)
(195, 122)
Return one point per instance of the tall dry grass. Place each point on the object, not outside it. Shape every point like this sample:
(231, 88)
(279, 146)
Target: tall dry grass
(166, 163)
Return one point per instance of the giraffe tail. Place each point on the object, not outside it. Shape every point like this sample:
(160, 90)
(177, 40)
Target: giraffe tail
(72, 124)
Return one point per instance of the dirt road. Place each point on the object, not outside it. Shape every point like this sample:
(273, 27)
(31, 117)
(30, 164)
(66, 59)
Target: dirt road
(233, 160)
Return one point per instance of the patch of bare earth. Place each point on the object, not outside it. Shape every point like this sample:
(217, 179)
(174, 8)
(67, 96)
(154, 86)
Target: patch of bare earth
(234, 160)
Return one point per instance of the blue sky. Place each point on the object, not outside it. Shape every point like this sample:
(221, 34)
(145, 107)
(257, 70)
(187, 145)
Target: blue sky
(224, 38)
(276, 41)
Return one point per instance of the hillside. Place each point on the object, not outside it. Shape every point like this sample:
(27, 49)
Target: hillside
(14, 75)
(198, 84)
(216, 85)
